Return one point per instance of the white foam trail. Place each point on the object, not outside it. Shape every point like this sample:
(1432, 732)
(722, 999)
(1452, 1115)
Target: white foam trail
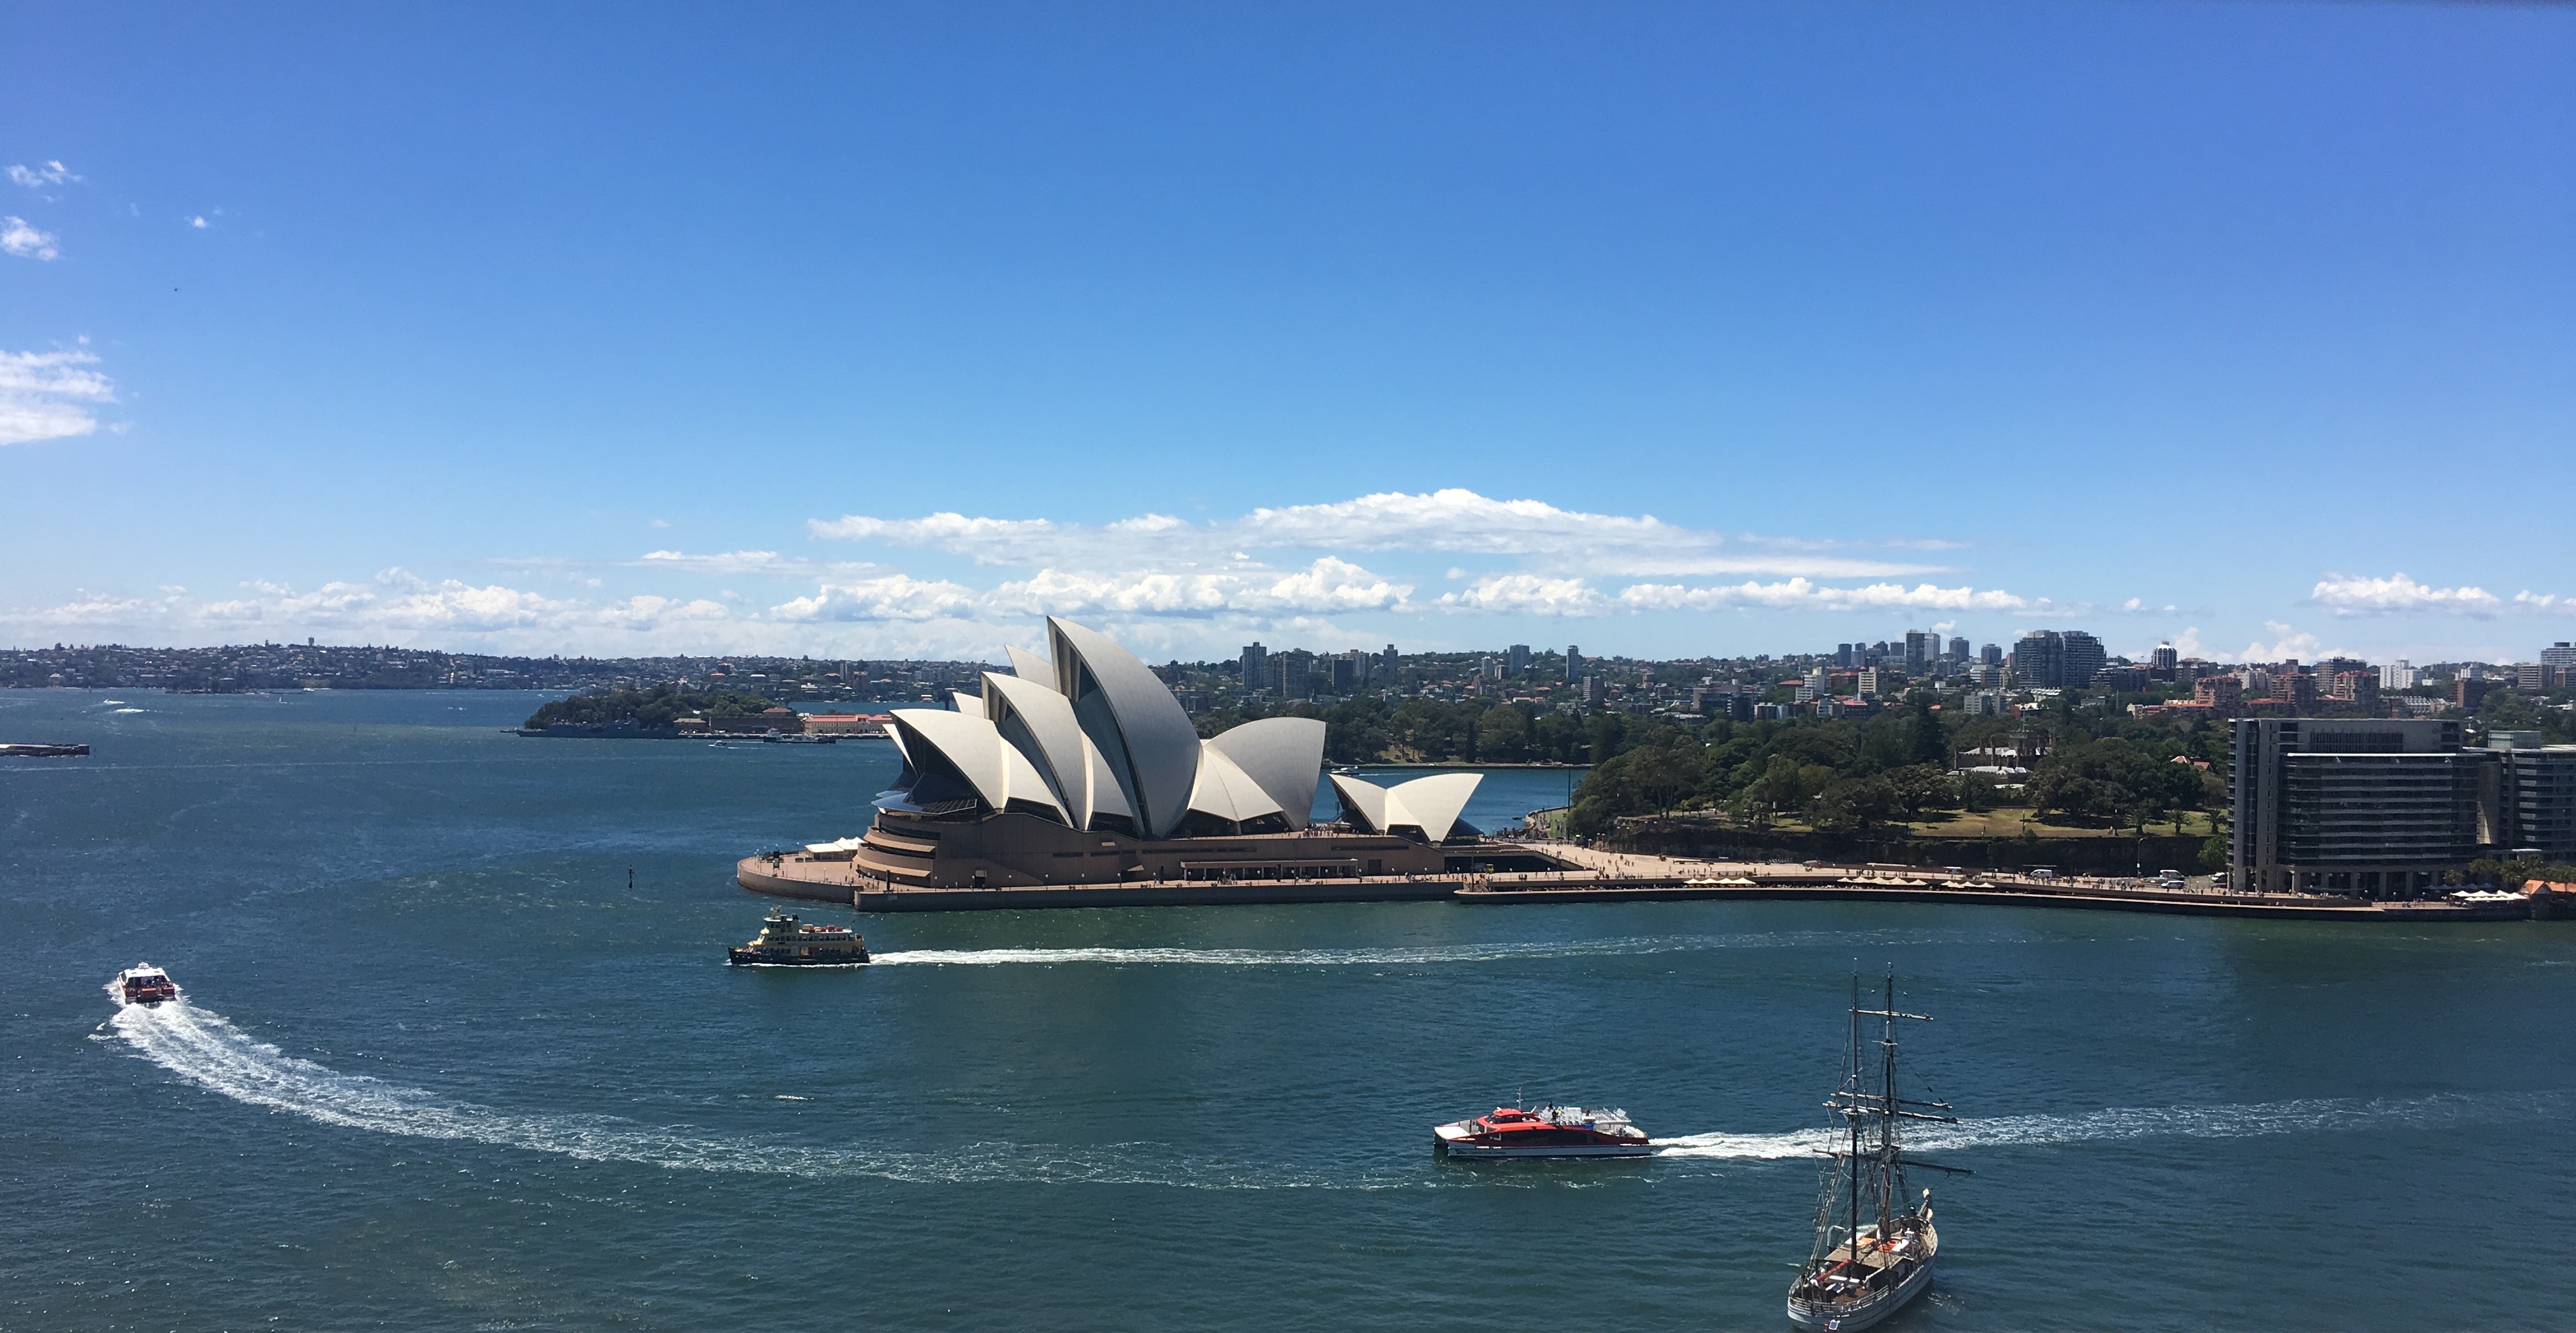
(2315, 1116)
(207, 1050)
(1432, 953)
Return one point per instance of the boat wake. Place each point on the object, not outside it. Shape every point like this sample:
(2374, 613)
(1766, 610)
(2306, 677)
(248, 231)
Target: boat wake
(207, 1050)
(1425, 954)
(2247, 1120)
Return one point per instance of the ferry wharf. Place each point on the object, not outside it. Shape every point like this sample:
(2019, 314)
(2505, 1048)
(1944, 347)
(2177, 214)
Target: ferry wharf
(1592, 876)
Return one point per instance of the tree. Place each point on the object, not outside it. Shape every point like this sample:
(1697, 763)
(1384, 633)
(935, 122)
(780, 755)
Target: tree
(1924, 735)
(1503, 734)
(1853, 805)
(1921, 787)
(1665, 773)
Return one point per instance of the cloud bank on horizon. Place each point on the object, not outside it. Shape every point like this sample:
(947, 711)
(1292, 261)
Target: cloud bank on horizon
(1446, 567)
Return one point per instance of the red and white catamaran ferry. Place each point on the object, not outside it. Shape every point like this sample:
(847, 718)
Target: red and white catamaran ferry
(1549, 1131)
(143, 984)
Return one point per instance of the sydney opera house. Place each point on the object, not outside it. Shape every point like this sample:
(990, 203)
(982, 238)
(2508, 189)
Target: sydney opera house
(1082, 768)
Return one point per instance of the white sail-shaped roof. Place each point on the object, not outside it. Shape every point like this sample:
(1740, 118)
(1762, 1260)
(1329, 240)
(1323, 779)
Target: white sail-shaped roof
(1365, 802)
(1284, 754)
(1029, 666)
(974, 747)
(1024, 786)
(1129, 713)
(1227, 792)
(1100, 792)
(1433, 804)
(1048, 721)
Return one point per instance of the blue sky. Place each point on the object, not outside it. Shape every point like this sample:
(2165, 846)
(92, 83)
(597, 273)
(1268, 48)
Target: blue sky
(1662, 330)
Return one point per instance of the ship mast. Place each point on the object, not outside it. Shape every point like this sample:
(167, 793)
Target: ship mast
(1886, 1149)
(1851, 1119)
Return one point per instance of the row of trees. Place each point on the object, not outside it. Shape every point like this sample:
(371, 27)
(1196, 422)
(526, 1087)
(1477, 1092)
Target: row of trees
(1850, 775)
(1370, 730)
(657, 706)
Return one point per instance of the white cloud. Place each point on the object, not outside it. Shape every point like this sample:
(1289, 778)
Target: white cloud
(47, 395)
(37, 178)
(2287, 643)
(1325, 587)
(199, 222)
(1528, 594)
(885, 597)
(2346, 595)
(19, 238)
(1454, 520)
(1553, 562)
(395, 607)
(976, 537)
(728, 562)
(1803, 594)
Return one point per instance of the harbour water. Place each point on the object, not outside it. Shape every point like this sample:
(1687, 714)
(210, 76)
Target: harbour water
(441, 1067)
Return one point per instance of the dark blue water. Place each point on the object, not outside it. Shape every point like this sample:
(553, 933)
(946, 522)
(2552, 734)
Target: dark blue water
(440, 1067)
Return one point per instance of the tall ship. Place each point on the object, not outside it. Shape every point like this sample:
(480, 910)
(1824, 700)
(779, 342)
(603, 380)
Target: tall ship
(1875, 1244)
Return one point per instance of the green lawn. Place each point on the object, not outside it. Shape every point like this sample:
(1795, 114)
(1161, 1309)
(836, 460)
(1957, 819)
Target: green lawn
(2011, 821)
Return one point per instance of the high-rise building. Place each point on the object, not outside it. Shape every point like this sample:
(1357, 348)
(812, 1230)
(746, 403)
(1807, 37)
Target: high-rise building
(1921, 646)
(2350, 805)
(2536, 805)
(1388, 664)
(1516, 658)
(1842, 656)
(2048, 659)
(1958, 650)
(1992, 654)
(2560, 655)
(1573, 663)
(1256, 666)
(1870, 683)
(2354, 687)
(1295, 671)
(1592, 689)
(1350, 671)
(2164, 661)
(2398, 675)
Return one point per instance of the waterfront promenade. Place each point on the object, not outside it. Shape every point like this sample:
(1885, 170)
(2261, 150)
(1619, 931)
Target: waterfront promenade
(1595, 876)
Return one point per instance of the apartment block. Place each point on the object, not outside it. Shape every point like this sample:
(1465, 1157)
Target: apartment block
(2359, 806)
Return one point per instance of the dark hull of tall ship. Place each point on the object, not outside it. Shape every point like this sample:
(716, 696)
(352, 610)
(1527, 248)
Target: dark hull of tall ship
(1870, 1303)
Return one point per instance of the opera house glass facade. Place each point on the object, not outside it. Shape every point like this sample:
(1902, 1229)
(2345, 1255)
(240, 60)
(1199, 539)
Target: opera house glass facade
(1081, 768)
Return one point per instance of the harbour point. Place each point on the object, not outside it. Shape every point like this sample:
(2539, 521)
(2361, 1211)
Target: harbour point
(1081, 770)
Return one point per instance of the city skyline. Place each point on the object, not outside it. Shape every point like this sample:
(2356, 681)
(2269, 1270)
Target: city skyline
(1708, 332)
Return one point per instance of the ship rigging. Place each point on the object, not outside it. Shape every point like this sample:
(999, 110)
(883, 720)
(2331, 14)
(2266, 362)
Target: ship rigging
(1874, 1247)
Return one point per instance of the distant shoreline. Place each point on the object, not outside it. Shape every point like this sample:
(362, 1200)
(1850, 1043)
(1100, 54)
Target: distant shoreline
(1461, 763)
